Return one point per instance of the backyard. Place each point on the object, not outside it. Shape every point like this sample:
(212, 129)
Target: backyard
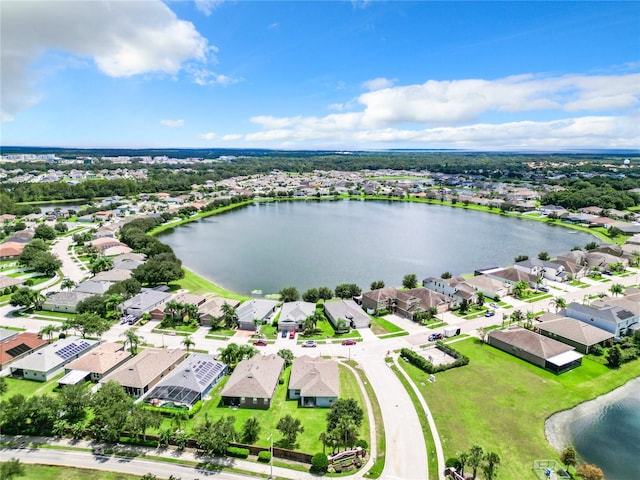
(465, 402)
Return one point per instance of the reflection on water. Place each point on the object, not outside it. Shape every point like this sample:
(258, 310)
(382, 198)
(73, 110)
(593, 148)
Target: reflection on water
(315, 244)
(609, 436)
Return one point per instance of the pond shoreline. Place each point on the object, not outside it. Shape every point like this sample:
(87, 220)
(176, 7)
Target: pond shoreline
(556, 426)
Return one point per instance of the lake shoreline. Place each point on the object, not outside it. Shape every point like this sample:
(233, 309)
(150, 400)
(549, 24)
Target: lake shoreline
(556, 426)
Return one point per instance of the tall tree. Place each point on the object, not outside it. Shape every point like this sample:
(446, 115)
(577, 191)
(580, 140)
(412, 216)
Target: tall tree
(48, 331)
(68, 284)
(569, 456)
(376, 284)
(289, 294)
(490, 467)
(250, 430)
(132, 339)
(111, 408)
(617, 289)
(229, 315)
(290, 427)
(90, 324)
(410, 281)
(74, 399)
(476, 455)
(188, 343)
(559, 303)
(287, 356)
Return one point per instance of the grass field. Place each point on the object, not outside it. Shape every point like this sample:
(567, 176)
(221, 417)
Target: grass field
(380, 326)
(196, 284)
(313, 419)
(43, 472)
(501, 402)
(29, 387)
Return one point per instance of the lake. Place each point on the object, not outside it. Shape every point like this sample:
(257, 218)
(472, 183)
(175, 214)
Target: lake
(307, 244)
(604, 432)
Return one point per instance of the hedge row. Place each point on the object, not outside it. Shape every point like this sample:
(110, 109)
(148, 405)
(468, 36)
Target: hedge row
(264, 456)
(238, 452)
(426, 366)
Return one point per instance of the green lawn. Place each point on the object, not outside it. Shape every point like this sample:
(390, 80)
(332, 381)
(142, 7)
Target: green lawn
(501, 402)
(28, 388)
(380, 326)
(42, 472)
(198, 285)
(313, 419)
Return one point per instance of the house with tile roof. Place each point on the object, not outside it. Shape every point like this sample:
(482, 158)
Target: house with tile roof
(11, 250)
(211, 310)
(511, 276)
(47, 362)
(489, 287)
(100, 361)
(537, 349)
(314, 381)
(145, 370)
(17, 345)
(253, 382)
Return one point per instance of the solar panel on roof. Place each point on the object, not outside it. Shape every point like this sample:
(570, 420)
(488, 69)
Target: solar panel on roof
(18, 350)
(624, 314)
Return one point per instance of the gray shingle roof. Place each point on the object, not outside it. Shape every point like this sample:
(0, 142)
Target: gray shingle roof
(575, 330)
(315, 377)
(145, 367)
(538, 345)
(256, 377)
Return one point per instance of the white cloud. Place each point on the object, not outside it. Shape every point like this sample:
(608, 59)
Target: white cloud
(208, 6)
(205, 77)
(225, 138)
(378, 84)
(172, 123)
(123, 38)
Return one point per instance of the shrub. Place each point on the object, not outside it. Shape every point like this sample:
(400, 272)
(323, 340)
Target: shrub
(238, 452)
(319, 463)
(453, 462)
(426, 366)
(362, 443)
(264, 456)
(596, 350)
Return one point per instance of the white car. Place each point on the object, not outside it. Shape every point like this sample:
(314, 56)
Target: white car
(309, 343)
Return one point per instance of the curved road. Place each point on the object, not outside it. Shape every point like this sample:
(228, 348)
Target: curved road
(405, 447)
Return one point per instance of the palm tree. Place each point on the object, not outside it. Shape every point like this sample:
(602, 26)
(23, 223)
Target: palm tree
(38, 300)
(530, 316)
(475, 458)
(519, 288)
(192, 311)
(188, 343)
(559, 303)
(171, 308)
(229, 354)
(48, 330)
(616, 289)
(68, 284)
(112, 302)
(101, 264)
(132, 339)
(492, 461)
(229, 315)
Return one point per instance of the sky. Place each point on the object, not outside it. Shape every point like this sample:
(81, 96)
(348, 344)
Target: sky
(343, 75)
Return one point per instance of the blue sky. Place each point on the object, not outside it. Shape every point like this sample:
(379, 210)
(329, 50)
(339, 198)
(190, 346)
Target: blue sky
(306, 75)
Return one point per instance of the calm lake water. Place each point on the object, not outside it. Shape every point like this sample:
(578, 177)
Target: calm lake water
(605, 432)
(311, 244)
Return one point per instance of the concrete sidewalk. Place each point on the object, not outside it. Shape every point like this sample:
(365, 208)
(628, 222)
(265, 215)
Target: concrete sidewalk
(188, 455)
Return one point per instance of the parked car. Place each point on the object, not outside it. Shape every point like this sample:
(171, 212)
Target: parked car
(542, 288)
(309, 343)
(284, 334)
(260, 343)
(435, 337)
(349, 341)
(489, 313)
(494, 305)
(292, 334)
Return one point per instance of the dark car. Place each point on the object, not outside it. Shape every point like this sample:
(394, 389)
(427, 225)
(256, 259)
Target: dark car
(260, 343)
(435, 336)
(284, 334)
(543, 288)
(349, 341)
(489, 313)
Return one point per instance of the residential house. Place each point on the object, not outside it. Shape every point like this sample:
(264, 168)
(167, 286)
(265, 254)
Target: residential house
(573, 270)
(16, 345)
(189, 382)
(10, 250)
(579, 335)
(105, 242)
(146, 369)
(536, 349)
(379, 299)
(99, 362)
(135, 257)
(314, 381)
(93, 287)
(47, 362)
(511, 276)
(489, 287)
(108, 231)
(347, 310)
(6, 282)
(293, 314)
(253, 382)
(455, 287)
(211, 310)
(66, 302)
(116, 250)
(612, 318)
(255, 312)
(418, 300)
(112, 276)
(542, 269)
(127, 264)
(556, 210)
(144, 302)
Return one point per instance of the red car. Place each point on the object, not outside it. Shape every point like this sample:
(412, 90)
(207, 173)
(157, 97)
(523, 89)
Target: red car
(349, 341)
(260, 343)
(292, 334)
